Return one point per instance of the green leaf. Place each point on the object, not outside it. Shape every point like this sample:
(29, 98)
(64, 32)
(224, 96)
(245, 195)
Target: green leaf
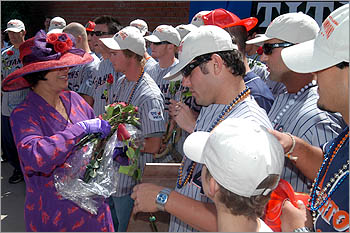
(130, 153)
(137, 174)
(127, 170)
(109, 112)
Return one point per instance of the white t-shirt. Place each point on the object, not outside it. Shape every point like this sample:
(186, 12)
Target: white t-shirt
(264, 227)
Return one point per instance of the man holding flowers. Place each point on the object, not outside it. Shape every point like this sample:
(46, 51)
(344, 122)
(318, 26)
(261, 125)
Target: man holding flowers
(126, 49)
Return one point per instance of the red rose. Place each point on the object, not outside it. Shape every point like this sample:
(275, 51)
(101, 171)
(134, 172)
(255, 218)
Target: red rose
(60, 47)
(10, 52)
(51, 38)
(123, 104)
(100, 117)
(260, 50)
(110, 79)
(122, 133)
(136, 109)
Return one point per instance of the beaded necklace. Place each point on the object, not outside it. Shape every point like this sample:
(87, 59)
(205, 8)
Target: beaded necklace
(131, 96)
(292, 101)
(317, 201)
(180, 182)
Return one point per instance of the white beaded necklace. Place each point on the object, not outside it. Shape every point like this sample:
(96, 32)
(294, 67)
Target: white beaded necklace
(292, 101)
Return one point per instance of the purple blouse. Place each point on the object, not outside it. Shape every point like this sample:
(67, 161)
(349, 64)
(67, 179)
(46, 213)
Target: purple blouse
(44, 141)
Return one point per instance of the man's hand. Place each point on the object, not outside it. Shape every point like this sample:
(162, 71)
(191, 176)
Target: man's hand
(293, 218)
(144, 196)
(183, 115)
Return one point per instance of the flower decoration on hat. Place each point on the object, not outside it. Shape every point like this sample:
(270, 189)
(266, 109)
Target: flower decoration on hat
(61, 42)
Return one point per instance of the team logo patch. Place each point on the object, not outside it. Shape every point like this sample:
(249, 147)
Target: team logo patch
(155, 115)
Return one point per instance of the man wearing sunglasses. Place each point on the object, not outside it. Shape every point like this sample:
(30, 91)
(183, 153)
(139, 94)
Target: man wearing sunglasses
(105, 26)
(296, 110)
(164, 42)
(211, 66)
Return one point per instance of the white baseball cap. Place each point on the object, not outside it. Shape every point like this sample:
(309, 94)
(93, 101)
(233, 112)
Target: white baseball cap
(330, 47)
(128, 38)
(197, 20)
(184, 29)
(15, 25)
(165, 33)
(239, 154)
(141, 25)
(291, 27)
(200, 41)
(57, 23)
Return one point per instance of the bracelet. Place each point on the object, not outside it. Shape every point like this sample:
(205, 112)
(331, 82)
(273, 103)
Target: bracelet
(302, 229)
(289, 153)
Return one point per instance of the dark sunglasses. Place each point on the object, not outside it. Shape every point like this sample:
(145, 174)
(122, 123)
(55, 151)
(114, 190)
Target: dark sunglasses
(97, 33)
(187, 70)
(267, 48)
(160, 43)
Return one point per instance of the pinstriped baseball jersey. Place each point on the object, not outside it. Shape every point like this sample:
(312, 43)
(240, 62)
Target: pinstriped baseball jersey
(10, 62)
(247, 109)
(149, 63)
(80, 75)
(157, 73)
(305, 120)
(103, 70)
(149, 100)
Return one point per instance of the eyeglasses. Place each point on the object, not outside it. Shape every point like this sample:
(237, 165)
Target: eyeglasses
(97, 33)
(160, 43)
(187, 70)
(267, 48)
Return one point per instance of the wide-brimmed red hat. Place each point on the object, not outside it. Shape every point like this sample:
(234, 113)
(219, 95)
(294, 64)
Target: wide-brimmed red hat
(45, 52)
(224, 19)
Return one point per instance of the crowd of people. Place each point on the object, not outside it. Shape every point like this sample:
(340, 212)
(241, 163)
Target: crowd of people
(239, 111)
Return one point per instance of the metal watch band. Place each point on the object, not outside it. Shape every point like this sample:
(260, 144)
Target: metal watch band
(165, 191)
(302, 229)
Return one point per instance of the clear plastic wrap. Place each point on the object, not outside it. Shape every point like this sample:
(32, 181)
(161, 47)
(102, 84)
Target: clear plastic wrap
(89, 196)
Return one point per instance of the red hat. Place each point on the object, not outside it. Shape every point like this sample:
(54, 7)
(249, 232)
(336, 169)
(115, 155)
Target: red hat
(45, 52)
(224, 19)
(90, 26)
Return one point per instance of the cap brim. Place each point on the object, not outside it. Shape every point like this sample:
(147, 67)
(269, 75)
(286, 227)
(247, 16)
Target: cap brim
(258, 40)
(175, 73)
(111, 43)
(152, 38)
(307, 57)
(13, 30)
(56, 30)
(194, 145)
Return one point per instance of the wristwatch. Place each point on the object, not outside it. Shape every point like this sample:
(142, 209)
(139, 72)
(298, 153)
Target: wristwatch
(302, 229)
(162, 198)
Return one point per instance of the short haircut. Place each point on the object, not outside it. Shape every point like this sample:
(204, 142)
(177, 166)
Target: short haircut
(233, 60)
(240, 36)
(250, 207)
(129, 53)
(342, 65)
(34, 78)
(112, 23)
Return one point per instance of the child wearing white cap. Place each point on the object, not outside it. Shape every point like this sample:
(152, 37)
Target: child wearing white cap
(238, 176)
(328, 166)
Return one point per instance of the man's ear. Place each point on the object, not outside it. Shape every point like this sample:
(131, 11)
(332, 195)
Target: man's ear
(217, 63)
(213, 187)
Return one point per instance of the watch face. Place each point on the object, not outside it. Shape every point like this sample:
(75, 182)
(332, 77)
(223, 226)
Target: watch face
(162, 198)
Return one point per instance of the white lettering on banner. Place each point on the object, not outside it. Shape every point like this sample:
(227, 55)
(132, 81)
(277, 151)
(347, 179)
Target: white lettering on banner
(319, 9)
(293, 6)
(268, 12)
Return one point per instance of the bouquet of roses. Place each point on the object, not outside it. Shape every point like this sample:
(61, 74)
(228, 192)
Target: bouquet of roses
(89, 176)
(117, 115)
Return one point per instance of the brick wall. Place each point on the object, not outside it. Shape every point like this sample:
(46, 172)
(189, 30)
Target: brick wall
(153, 12)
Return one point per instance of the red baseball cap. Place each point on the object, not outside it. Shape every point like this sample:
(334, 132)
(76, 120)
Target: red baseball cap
(224, 19)
(90, 26)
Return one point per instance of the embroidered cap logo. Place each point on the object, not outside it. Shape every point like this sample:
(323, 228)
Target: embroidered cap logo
(123, 35)
(328, 27)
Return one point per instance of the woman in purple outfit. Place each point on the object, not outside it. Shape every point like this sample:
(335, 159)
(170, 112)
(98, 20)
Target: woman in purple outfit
(46, 126)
